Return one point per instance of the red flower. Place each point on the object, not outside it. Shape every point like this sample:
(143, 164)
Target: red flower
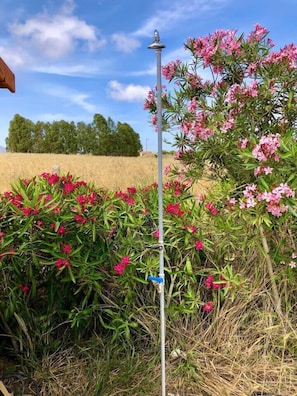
(209, 281)
(125, 260)
(156, 234)
(66, 248)
(199, 245)
(132, 190)
(120, 268)
(27, 211)
(211, 208)
(130, 201)
(177, 191)
(61, 230)
(175, 209)
(25, 288)
(60, 263)
(79, 219)
(53, 179)
(68, 187)
(208, 306)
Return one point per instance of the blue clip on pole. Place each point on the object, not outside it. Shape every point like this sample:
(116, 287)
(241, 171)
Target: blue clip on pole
(157, 279)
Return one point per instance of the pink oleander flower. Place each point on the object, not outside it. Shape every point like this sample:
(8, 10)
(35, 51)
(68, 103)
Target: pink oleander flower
(267, 148)
(168, 70)
(27, 211)
(66, 248)
(211, 208)
(130, 201)
(209, 281)
(174, 209)
(120, 267)
(208, 306)
(199, 245)
(80, 219)
(60, 263)
(263, 170)
(156, 234)
(258, 34)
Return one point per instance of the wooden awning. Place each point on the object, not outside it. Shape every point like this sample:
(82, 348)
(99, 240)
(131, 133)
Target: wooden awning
(7, 79)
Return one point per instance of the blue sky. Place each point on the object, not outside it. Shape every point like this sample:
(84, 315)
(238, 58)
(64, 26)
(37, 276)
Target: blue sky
(75, 58)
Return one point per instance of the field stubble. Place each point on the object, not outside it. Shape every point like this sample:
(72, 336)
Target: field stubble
(114, 173)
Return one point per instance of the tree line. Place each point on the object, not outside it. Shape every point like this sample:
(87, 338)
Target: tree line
(100, 137)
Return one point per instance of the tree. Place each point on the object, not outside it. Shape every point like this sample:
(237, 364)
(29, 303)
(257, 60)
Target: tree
(20, 135)
(128, 141)
(38, 138)
(86, 138)
(103, 135)
(53, 140)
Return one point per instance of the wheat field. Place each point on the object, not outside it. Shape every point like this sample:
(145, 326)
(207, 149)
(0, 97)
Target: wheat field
(115, 173)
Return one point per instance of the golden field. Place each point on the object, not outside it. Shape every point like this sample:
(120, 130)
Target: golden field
(111, 172)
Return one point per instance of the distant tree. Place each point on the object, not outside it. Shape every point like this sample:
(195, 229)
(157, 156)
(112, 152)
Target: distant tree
(20, 135)
(68, 136)
(128, 141)
(103, 134)
(101, 137)
(38, 138)
(87, 141)
(52, 140)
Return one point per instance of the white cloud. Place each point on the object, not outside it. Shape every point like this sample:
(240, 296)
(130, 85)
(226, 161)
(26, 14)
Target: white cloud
(79, 70)
(56, 35)
(78, 98)
(179, 10)
(125, 43)
(127, 93)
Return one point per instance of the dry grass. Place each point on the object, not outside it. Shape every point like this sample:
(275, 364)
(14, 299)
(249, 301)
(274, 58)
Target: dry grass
(242, 351)
(111, 172)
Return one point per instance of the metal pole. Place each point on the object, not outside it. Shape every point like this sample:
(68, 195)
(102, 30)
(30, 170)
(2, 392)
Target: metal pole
(157, 46)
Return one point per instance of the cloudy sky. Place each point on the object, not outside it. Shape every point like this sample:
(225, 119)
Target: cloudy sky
(75, 58)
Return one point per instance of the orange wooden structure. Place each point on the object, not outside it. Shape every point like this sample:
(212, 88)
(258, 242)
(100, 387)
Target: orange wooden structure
(7, 79)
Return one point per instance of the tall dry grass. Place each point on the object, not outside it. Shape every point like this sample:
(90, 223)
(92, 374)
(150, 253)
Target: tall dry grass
(111, 172)
(241, 351)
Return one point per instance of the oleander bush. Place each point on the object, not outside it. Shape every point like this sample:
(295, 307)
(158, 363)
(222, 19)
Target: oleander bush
(75, 261)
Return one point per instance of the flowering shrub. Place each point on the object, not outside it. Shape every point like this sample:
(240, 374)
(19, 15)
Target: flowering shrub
(239, 126)
(76, 259)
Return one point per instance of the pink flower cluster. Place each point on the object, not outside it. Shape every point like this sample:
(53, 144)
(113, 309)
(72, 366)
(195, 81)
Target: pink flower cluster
(219, 41)
(258, 34)
(263, 170)
(211, 208)
(287, 54)
(120, 268)
(267, 148)
(208, 306)
(60, 263)
(174, 209)
(273, 198)
(127, 197)
(168, 71)
(211, 284)
(237, 92)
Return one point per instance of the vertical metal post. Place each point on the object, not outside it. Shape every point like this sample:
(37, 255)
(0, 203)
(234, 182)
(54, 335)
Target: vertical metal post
(157, 46)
